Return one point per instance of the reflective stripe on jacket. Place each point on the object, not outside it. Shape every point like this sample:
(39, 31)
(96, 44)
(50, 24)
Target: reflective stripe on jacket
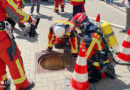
(14, 12)
(95, 44)
(76, 2)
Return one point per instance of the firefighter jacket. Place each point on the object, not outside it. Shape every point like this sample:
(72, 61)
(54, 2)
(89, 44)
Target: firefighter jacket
(19, 4)
(10, 7)
(73, 40)
(76, 2)
(94, 45)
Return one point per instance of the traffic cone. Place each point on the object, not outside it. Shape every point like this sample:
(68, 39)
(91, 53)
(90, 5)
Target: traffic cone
(124, 53)
(98, 20)
(80, 76)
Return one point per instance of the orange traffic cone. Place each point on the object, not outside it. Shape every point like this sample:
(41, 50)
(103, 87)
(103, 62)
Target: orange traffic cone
(98, 20)
(124, 53)
(80, 76)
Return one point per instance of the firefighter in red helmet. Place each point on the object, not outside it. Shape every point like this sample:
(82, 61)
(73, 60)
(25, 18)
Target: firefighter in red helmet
(61, 30)
(96, 48)
(9, 52)
(57, 2)
(78, 6)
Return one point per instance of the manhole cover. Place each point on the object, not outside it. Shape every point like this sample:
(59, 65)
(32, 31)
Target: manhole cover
(53, 60)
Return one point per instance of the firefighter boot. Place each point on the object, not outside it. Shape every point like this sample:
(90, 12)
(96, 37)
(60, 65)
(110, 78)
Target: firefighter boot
(62, 9)
(57, 11)
(29, 87)
(59, 43)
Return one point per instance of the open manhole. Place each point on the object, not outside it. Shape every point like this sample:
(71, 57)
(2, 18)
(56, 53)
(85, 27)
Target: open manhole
(54, 60)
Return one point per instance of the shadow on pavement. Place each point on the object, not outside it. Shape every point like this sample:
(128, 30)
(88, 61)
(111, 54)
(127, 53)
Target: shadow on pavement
(119, 4)
(45, 17)
(110, 84)
(21, 36)
(65, 14)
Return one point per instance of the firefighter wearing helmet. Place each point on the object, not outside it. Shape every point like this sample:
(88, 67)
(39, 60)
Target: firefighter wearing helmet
(78, 6)
(9, 52)
(60, 31)
(96, 51)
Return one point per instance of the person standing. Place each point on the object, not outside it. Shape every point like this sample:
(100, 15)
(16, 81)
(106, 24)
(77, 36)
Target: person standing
(38, 6)
(57, 2)
(9, 52)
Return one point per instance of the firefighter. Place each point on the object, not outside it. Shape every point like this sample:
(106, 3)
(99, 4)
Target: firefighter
(96, 49)
(9, 52)
(78, 6)
(57, 2)
(61, 30)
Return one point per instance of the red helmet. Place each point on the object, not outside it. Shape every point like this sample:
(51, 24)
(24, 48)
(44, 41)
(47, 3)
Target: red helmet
(80, 19)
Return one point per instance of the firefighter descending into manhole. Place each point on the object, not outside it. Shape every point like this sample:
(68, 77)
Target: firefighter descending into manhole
(62, 33)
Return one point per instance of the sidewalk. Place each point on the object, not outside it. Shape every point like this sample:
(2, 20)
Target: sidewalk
(50, 80)
(118, 5)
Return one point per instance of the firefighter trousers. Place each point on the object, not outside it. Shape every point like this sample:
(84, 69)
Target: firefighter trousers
(33, 4)
(57, 2)
(14, 63)
(79, 8)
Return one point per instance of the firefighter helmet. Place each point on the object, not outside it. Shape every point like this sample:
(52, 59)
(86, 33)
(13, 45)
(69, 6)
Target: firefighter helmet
(59, 30)
(80, 19)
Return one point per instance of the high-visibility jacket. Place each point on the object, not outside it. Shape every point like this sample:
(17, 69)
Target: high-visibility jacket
(73, 40)
(10, 7)
(94, 44)
(76, 2)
